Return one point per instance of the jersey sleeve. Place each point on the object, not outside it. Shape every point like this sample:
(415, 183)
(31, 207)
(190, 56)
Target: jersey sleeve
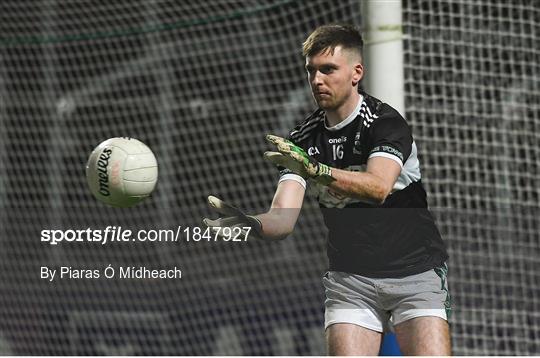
(391, 138)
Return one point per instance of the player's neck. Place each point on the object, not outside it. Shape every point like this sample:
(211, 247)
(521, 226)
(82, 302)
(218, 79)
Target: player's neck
(334, 117)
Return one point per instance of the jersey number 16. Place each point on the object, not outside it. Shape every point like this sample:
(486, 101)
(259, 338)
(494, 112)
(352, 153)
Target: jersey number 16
(337, 151)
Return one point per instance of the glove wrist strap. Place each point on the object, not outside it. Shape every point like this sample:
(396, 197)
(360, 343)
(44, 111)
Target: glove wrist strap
(256, 224)
(324, 175)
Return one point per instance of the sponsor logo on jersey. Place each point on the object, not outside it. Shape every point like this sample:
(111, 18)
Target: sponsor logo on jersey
(336, 195)
(340, 140)
(357, 148)
(313, 151)
(388, 149)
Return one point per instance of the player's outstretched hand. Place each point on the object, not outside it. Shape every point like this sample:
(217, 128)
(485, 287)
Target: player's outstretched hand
(232, 221)
(297, 160)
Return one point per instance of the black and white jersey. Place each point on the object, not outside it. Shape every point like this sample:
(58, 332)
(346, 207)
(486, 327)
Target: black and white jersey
(397, 238)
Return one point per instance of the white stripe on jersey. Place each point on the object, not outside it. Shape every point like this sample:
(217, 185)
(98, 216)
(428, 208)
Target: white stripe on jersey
(368, 117)
(410, 172)
(304, 131)
(295, 177)
(351, 117)
(389, 156)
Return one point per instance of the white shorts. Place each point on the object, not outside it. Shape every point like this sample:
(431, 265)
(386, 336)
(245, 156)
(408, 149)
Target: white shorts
(380, 303)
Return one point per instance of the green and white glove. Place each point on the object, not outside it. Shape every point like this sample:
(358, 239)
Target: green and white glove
(294, 158)
(242, 226)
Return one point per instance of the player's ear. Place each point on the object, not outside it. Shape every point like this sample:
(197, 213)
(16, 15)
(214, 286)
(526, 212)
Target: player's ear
(358, 73)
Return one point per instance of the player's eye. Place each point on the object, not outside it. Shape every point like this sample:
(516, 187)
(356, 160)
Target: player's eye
(327, 69)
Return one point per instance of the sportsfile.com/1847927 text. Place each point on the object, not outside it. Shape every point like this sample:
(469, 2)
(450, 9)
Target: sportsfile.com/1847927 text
(119, 234)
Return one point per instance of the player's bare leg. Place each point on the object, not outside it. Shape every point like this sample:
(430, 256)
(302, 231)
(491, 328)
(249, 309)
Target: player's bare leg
(345, 339)
(424, 336)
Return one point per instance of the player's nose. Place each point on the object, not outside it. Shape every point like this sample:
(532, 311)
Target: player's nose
(317, 79)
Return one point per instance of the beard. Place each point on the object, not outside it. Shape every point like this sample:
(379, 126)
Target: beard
(328, 102)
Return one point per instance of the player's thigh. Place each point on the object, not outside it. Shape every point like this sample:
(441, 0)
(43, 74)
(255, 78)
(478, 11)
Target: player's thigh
(344, 339)
(352, 299)
(424, 336)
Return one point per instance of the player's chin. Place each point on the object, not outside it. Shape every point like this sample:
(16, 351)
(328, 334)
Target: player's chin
(324, 103)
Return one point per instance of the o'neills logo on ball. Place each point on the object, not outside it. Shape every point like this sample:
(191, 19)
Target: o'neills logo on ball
(102, 164)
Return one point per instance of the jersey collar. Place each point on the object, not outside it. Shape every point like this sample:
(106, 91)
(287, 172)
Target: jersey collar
(347, 120)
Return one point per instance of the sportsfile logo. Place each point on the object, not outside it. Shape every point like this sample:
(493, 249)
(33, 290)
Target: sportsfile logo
(102, 164)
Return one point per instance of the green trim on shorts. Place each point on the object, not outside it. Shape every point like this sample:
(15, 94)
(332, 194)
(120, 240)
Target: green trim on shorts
(442, 272)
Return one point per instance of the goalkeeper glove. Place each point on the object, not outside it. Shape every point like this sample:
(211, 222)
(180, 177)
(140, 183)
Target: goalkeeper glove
(298, 161)
(232, 218)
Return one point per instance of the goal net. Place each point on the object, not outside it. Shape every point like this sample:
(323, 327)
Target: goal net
(472, 97)
(201, 83)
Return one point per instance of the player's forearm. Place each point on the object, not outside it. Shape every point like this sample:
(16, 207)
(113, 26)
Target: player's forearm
(278, 223)
(364, 186)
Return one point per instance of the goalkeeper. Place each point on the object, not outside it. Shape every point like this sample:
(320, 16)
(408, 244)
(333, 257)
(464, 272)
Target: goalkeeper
(387, 265)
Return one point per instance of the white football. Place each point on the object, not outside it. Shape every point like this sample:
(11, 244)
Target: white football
(121, 172)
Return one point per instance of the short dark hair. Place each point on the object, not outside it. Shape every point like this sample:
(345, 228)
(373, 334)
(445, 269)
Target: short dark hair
(328, 37)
